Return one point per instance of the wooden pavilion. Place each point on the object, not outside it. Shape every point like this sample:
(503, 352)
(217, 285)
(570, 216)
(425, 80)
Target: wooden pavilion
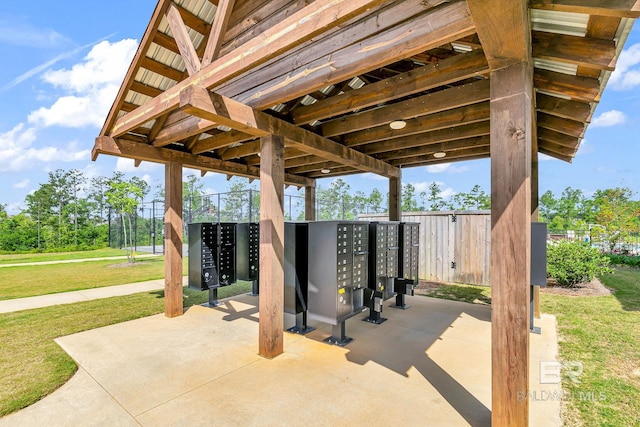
(288, 91)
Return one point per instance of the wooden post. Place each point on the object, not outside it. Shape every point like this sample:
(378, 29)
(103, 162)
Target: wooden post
(535, 194)
(395, 198)
(310, 203)
(271, 326)
(173, 240)
(511, 136)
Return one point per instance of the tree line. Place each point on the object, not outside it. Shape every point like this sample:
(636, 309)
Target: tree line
(70, 211)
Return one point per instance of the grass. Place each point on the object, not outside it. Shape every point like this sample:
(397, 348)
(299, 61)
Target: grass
(603, 334)
(31, 280)
(32, 365)
(58, 256)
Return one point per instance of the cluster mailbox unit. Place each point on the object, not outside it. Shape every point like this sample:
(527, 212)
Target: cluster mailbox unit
(333, 270)
(212, 257)
(248, 254)
(338, 264)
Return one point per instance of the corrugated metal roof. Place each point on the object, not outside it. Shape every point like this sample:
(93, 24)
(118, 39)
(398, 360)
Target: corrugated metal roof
(573, 24)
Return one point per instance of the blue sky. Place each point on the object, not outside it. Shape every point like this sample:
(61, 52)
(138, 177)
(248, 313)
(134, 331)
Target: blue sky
(63, 62)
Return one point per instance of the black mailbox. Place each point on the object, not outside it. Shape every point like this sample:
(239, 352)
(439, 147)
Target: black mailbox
(212, 257)
(247, 251)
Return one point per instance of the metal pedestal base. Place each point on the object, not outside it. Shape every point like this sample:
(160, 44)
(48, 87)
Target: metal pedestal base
(301, 327)
(400, 302)
(213, 298)
(338, 336)
(374, 317)
(255, 289)
(533, 329)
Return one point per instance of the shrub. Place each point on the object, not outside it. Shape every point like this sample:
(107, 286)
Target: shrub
(570, 263)
(628, 260)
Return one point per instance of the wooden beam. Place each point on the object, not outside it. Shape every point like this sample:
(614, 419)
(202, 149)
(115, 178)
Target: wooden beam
(567, 127)
(555, 155)
(616, 8)
(438, 121)
(180, 130)
(395, 199)
(442, 73)
(173, 240)
(438, 26)
(583, 51)
(559, 149)
(427, 150)
(310, 203)
(303, 25)
(481, 147)
(220, 22)
(458, 156)
(499, 26)
(220, 140)
(447, 99)
(558, 138)
(243, 150)
(511, 138)
(575, 87)
(564, 108)
(202, 103)
(181, 36)
(271, 246)
(427, 139)
(145, 152)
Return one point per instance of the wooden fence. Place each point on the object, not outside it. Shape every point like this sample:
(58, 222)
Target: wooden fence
(454, 245)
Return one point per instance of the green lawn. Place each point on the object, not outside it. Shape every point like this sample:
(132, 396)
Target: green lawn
(31, 363)
(58, 256)
(31, 280)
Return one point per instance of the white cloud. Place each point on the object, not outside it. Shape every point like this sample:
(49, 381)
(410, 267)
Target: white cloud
(16, 147)
(545, 158)
(609, 118)
(627, 74)
(374, 177)
(128, 166)
(22, 184)
(90, 86)
(445, 192)
(446, 167)
(585, 148)
(24, 34)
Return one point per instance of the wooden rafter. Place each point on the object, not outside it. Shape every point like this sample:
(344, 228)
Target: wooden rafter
(314, 19)
(220, 22)
(202, 103)
(567, 109)
(583, 51)
(568, 127)
(616, 8)
(579, 88)
(145, 152)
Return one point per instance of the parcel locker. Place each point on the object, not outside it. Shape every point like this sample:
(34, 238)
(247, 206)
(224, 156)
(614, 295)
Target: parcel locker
(247, 251)
(212, 255)
(338, 263)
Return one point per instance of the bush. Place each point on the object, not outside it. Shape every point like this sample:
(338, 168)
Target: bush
(628, 260)
(570, 263)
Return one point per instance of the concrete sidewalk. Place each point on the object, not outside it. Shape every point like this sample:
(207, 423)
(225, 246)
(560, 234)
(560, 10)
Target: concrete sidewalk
(18, 304)
(72, 261)
(429, 365)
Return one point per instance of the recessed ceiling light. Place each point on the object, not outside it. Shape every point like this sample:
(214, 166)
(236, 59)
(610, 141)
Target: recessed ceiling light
(439, 154)
(397, 124)
(325, 170)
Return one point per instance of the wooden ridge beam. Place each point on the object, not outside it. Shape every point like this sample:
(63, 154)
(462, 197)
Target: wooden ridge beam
(443, 120)
(428, 138)
(145, 152)
(217, 108)
(450, 70)
(563, 108)
(447, 99)
(302, 26)
(615, 8)
(499, 24)
(435, 28)
(181, 36)
(565, 126)
(582, 51)
(578, 88)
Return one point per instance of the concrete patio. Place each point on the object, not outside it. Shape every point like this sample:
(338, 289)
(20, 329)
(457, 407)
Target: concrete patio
(427, 366)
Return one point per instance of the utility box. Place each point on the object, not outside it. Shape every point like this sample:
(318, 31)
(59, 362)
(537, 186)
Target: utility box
(248, 251)
(383, 257)
(338, 264)
(212, 257)
(539, 254)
